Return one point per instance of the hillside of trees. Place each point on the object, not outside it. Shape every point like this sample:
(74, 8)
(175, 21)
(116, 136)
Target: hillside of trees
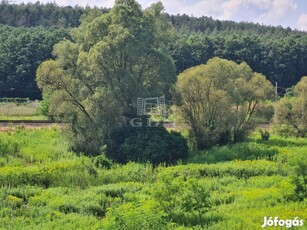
(29, 31)
(280, 57)
(37, 14)
(208, 24)
(21, 51)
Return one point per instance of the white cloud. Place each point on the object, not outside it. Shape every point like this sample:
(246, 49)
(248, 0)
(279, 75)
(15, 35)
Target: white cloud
(98, 3)
(302, 22)
(277, 10)
(274, 10)
(232, 7)
(200, 8)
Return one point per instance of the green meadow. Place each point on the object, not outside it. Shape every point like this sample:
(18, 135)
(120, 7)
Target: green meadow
(44, 185)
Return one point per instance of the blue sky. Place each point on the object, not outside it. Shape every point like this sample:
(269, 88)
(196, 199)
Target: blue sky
(292, 13)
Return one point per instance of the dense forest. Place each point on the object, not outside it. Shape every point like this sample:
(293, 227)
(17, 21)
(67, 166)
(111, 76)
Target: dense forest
(21, 51)
(29, 31)
(37, 14)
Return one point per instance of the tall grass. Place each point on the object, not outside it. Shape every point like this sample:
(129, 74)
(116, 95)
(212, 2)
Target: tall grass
(13, 109)
(43, 185)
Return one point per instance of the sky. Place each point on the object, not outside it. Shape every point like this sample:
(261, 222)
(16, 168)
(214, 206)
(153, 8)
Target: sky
(287, 13)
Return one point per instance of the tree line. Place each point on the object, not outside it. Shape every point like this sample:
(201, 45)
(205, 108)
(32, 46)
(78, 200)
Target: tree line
(279, 54)
(38, 14)
(208, 25)
(21, 52)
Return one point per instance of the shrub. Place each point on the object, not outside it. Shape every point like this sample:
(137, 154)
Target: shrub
(14, 201)
(300, 179)
(10, 147)
(23, 192)
(136, 216)
(67, 208)
(240, 151)
(43, 108)
(284, 130)
(265, 135)
(101, 161)
(95, 210)
(155, 145)
(182, 199)
(118, 189)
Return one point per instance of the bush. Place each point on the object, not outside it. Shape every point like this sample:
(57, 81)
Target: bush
(101, 161)
(43, 108)
(10, 147)
(182, 199)
(265, 135)
(155, 145)
(134, 216)
(284, 130)
(95, 210)
(240, 151)
(300, 179)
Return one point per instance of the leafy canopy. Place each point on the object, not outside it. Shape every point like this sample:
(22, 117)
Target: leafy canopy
(218, 100)
(113, 58)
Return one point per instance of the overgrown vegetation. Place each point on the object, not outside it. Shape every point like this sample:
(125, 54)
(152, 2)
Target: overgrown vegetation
(44, 185)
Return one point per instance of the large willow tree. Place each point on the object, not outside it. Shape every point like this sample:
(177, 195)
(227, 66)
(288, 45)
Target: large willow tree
(218, 100)
(94, 80)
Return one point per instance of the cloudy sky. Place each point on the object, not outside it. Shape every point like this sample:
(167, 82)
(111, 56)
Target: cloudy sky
(292, 13)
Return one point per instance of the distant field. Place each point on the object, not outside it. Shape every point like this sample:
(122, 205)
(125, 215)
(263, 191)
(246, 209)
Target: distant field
(23, 111)
(25, 118)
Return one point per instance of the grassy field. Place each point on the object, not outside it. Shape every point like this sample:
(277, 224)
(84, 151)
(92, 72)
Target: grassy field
(46, 186)
(20, 111)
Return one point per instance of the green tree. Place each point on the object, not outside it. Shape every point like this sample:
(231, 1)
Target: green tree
(96, 78)
(203, 106)
(292, 111)
(218, 100)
